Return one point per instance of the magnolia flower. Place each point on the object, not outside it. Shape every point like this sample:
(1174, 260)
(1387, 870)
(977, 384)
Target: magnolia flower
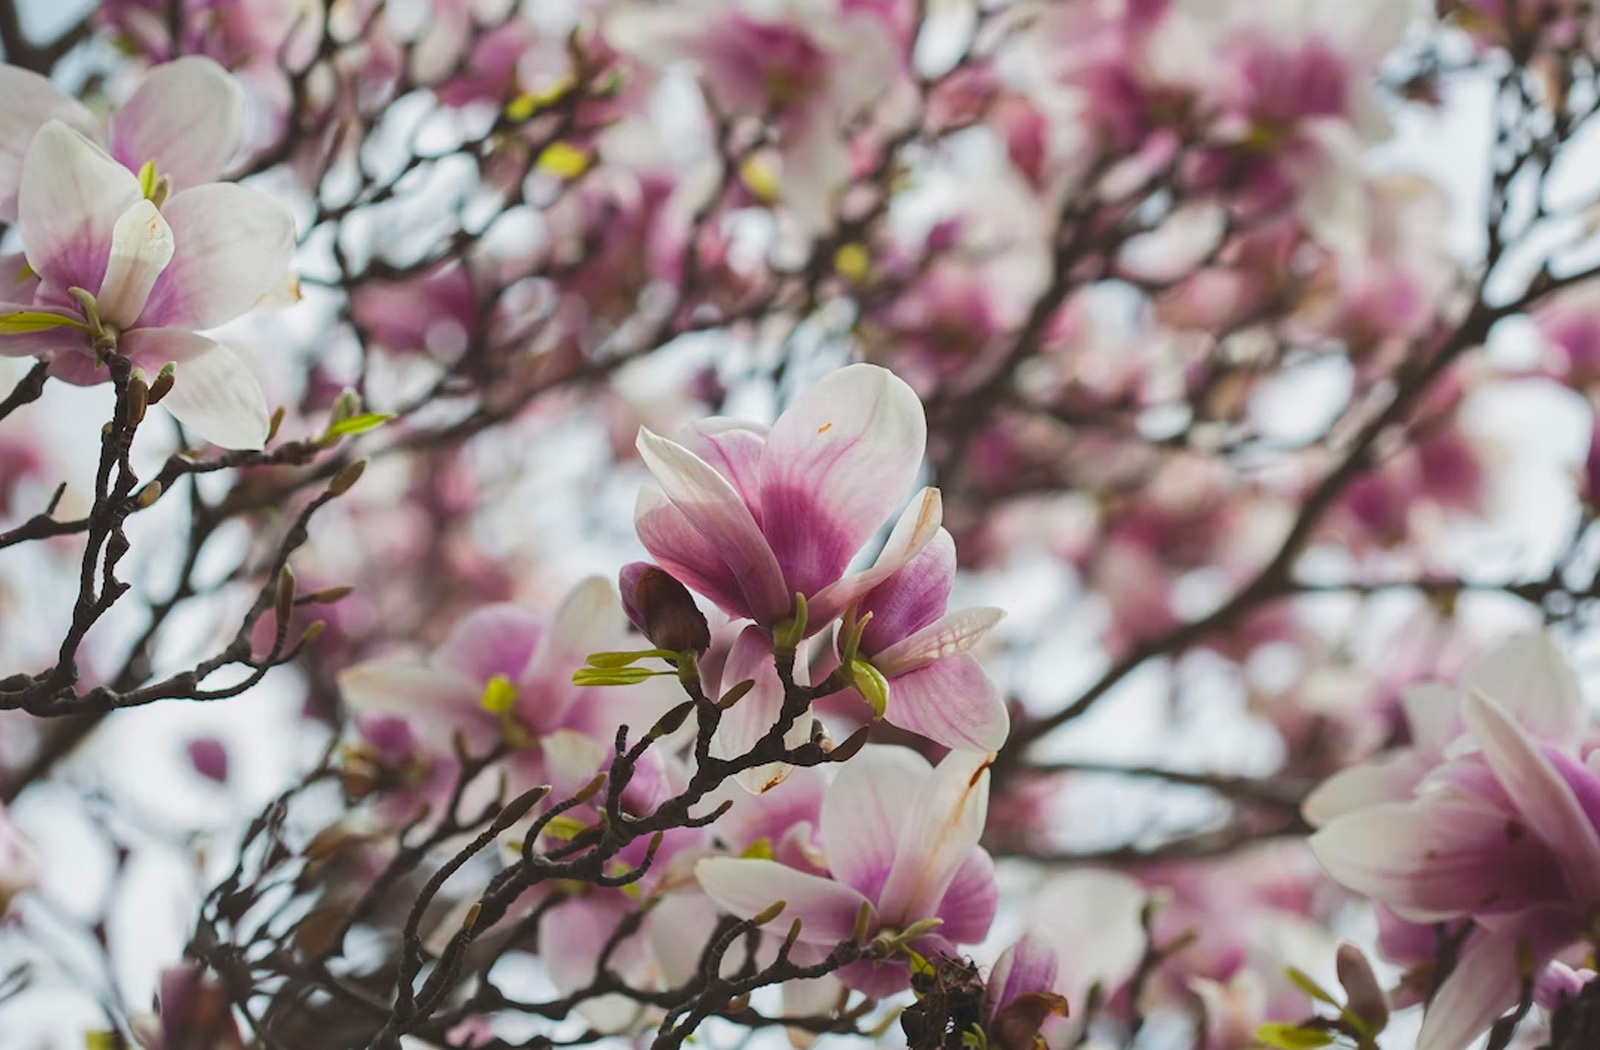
(934, 686)
(1021, 995)
(750, 517)
(1502, 831)
(504, 675)
(901, 842)
(139, 262)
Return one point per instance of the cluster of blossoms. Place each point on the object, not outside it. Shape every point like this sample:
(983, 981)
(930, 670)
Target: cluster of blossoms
(1483, 829)
(764, 524)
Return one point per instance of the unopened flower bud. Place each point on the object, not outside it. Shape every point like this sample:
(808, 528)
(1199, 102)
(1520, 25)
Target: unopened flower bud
(162, 385)
(138, 397)
(209, 758)
(1364, 997)
(663, 609)
(344, 480)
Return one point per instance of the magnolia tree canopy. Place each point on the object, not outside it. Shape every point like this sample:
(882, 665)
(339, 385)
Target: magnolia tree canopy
(958, 524)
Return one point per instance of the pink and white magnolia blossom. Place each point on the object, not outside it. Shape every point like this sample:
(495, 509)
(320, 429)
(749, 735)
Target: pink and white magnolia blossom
(503, 675)
(900, 838)
(1501, 829)
(140, 263)
(936, 687)
(749, 517)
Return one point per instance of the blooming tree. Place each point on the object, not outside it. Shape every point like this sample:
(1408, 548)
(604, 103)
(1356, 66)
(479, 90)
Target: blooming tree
(975, 525)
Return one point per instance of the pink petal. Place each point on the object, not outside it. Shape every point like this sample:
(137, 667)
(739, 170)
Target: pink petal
(733, 449)
(188, 117)
(1438, 858)
(916, 528)
(970, 903)
(141, 247)
(936, 837)
(1391, 778)
(915, 596)
(1542, 797)
(234, 246)
(434, 703)
(590, 620)
(712, 505)
(1487, 980)
(496, 639)
(794, 804)
(863, 810)
(826, 909)
(836, 465)
(27, 100)
(679, 548)
(71, 196)
(951, 702)
(214, 392)
(1027, 967)
(571, 938)
(950, 635)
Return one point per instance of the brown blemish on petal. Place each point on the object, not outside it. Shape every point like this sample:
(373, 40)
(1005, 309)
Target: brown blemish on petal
(824, 428)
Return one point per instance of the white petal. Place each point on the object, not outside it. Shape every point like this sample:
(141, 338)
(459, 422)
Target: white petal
(936, 837)
(826, 909)
(188, 117)
(1530, 680)
(213, 391)
(27, 100)
(1392, 778)
(234, 247)
(863, 809)
(434, 703)
(141, 246)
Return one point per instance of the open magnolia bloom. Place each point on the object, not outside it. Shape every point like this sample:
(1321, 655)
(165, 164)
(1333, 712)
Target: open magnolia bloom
(137, 251)
(503, 675)
(1503, 831)
(900, 838)
(750, 517)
